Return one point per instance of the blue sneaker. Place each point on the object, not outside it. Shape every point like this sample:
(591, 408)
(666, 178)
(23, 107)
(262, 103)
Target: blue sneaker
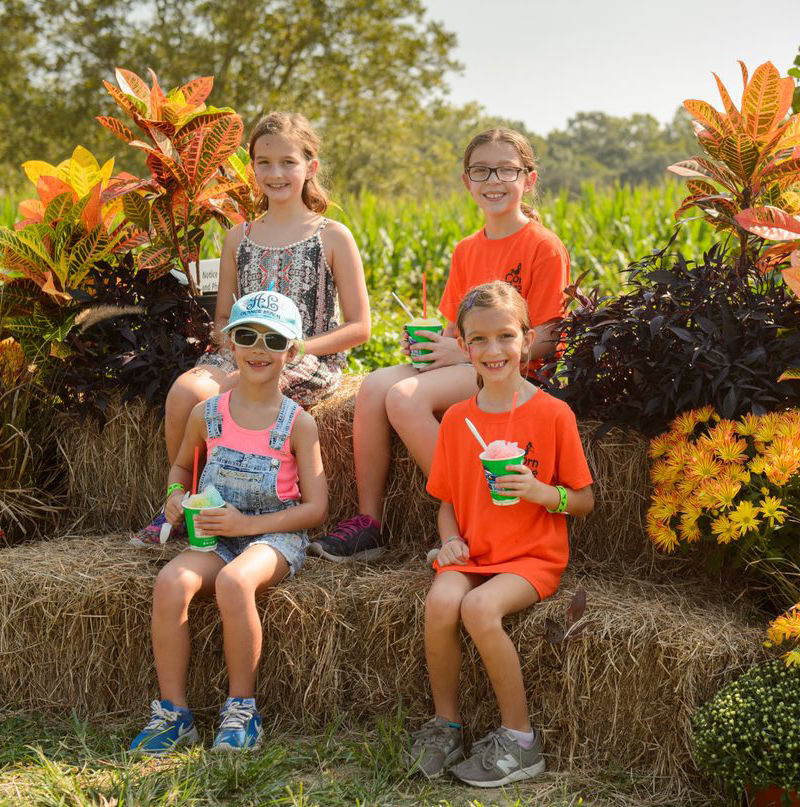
(240, 726)
(169, 727)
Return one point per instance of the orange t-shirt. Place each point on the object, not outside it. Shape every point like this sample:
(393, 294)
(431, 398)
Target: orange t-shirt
(524, 538)
(533, 260)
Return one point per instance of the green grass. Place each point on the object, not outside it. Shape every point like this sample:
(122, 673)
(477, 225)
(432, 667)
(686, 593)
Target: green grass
(72, 764)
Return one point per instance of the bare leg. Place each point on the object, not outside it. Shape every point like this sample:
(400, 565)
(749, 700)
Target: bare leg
(413, 404)
(372, 436)
(442, 641)
(482, 611)
(257, 568)
(185, 576)
(189, 389)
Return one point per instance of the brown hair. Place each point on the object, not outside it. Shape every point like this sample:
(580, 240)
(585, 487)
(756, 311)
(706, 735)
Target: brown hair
(297, 127)
(497, 294)
(523, 147)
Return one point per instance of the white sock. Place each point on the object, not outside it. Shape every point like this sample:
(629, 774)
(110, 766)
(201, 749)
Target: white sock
(524, 738)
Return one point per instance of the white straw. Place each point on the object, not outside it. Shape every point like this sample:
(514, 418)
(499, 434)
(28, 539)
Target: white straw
(475, 432)
(403, 306)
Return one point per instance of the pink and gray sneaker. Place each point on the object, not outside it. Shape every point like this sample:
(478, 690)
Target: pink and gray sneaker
(357, 538)
(157, 532)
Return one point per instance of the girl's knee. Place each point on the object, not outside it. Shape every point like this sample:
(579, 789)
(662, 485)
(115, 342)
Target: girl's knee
(479, 613)
(403, 401)
(443, 604)
(374, 387)
(174, 587)
(190, 388)
(232, 586)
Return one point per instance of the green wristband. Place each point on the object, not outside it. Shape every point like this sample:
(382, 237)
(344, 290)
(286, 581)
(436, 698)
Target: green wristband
(562, 500)
(173, 487)
(452, 538)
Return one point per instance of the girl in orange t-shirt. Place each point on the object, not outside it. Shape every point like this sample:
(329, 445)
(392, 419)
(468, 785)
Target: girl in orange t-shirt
(495, 561)
(499, 169)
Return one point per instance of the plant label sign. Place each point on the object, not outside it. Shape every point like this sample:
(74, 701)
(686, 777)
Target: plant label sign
(209, 275)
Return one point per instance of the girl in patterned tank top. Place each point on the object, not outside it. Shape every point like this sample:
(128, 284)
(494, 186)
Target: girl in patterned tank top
(292, 249)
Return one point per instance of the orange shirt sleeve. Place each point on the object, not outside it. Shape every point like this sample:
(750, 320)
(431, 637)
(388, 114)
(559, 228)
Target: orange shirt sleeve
(572, 470)
(453, 291)
(545, 298)
(438, 480)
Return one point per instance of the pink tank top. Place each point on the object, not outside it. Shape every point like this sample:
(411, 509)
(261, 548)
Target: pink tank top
(259, 442)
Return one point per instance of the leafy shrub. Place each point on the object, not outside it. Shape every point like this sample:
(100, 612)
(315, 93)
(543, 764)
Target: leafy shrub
(687, 335)
(749, 732)
(134, 336)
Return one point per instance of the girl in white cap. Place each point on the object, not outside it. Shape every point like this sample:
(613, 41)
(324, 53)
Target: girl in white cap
(262, 454)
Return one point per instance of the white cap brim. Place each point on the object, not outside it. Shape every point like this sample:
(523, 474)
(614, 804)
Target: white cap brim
(278, 327)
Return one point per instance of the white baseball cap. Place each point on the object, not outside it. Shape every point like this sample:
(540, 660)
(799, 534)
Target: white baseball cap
(270, 309)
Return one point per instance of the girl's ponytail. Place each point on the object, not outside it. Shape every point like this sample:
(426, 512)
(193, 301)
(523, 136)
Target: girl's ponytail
(524, 149)
(296, 126)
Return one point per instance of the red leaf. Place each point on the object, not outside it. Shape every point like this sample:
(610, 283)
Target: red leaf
(771, 223)
(791, 277)
(196, 92)
(577, 606)
(708, 116)
(134, 84)
(157, 97)
(91, 211)
(730, 107)
(50, 187)
(115, 126)
(553, 632)
(123, 100)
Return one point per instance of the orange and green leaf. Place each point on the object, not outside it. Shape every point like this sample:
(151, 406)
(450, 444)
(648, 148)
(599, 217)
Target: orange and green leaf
(770, 223)
(739, 152)
(766, 100)
(115, 126)
(708, 117)
(132, 84)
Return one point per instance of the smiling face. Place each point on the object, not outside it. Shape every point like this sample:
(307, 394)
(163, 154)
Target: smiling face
(257, 364)
(494, 340)
(280, 167)
(492, 195)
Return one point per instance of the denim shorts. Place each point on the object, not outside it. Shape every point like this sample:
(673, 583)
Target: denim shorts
(291, 545)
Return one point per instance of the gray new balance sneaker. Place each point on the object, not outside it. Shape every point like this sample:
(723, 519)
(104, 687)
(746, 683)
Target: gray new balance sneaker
(498, 760)
(434, 747)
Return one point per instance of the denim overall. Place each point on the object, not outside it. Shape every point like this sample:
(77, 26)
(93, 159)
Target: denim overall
(249, 483)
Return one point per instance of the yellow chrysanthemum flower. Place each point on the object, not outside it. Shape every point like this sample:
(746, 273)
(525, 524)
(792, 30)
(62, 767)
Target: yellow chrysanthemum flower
(773, 510)
(745, 517)
(786, 626)
(664, 506)
(739, 473)
(730, 449)
(757, 464)
(661, 444)
(662, 473)
(725, 530)
(747, 425)
(663, 537)
(703, 465)
(792, 658)
(685, 423)
(704, 413)
(723, 492)
(767, 428)
(688, 528)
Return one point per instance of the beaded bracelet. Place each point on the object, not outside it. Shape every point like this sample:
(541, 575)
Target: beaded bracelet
(562, 500)
(173, 487)
(452, 538)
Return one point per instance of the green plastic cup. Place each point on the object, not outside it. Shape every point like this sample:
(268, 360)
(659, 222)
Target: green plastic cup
(495, 468)
(413, 328)
(202, 543)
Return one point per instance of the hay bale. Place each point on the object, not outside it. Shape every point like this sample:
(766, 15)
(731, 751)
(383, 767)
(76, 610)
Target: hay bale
(116, 475)
(74, 634)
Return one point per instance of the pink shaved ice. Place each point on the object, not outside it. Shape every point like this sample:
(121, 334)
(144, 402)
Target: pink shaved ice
(501, 450)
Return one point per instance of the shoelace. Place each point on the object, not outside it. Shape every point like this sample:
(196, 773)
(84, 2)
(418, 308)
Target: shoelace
(432, 734)
(160, 716)
(492, 748)
(235, 717)
(347, 528)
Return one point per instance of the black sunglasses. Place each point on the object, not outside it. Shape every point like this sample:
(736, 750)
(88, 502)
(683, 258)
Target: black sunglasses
(274, 342)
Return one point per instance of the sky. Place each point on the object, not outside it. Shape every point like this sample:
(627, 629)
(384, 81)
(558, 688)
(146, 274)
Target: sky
(541, 62)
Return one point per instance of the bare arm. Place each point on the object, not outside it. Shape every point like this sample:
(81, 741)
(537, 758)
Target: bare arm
(521, 482)
(193, 437)
(228, 280)
(454, 548)
(348, 274)
(545, 340)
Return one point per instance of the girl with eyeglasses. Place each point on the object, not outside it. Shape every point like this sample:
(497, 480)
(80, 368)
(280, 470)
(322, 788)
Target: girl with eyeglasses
(512, 246)
(293, 249)
(262, 454)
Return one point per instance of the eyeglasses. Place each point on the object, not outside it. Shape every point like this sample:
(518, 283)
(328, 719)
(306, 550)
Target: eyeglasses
(505, 173)
(274, 342)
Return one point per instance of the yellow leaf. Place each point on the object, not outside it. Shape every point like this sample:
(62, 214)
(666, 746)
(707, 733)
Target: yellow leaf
(59, 350)
(106, 171)
(82, 171)
(36, 168)
(62, 170)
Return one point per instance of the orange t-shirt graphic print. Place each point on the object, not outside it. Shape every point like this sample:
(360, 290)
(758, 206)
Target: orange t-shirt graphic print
(522, 539)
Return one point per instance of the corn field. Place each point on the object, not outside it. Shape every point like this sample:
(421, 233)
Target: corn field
(604, 229)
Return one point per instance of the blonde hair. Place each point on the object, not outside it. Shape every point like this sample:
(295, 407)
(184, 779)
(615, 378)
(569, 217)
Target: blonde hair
(497, 294)
(297, 127)
(523, 147)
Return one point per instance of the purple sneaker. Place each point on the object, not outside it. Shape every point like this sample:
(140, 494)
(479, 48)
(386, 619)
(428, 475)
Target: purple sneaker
(357, 538)
(157, 531)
